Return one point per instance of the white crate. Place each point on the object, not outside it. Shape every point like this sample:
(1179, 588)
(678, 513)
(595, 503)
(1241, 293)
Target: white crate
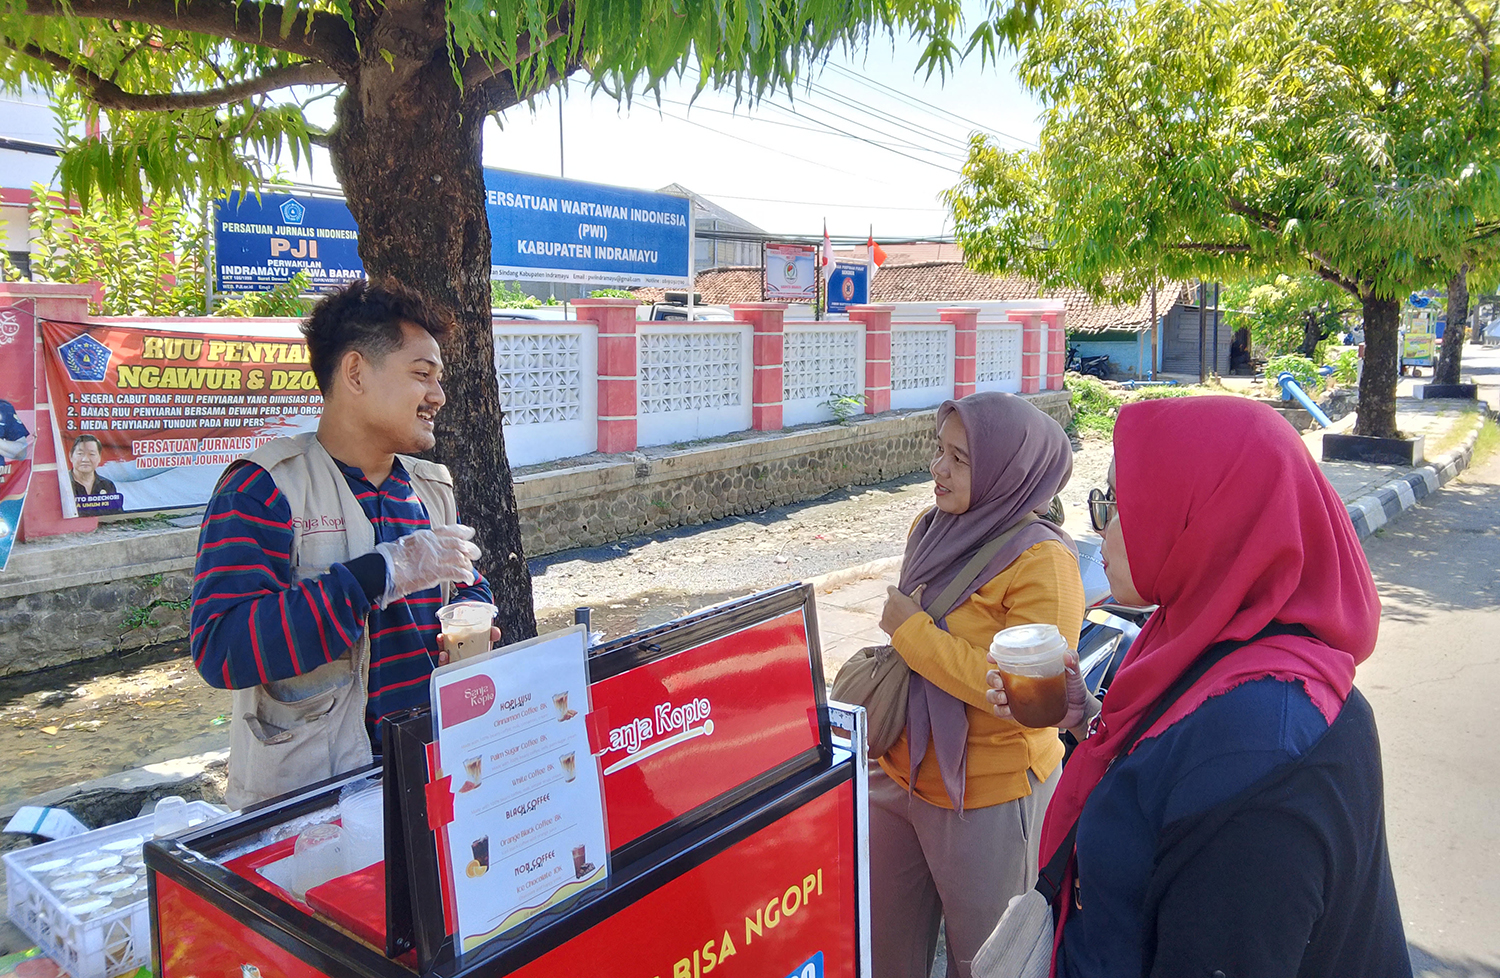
(102, 946)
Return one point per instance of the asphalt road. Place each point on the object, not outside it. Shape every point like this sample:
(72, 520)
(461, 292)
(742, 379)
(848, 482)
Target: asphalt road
(1434, 682)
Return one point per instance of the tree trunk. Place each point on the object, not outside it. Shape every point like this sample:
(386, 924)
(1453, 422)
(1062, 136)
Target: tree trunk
(1377, 383)
(406, 148)
(1451, 358)
(1312, 333)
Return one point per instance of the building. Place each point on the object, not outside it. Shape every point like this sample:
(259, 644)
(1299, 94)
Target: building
(723, 238)
(1121, 332)
(28, 155)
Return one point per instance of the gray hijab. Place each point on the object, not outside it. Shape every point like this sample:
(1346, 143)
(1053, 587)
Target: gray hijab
(1019, 458)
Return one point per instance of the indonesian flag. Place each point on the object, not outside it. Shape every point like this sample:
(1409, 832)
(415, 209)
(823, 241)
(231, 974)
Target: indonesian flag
(876, 255)
(828, 261)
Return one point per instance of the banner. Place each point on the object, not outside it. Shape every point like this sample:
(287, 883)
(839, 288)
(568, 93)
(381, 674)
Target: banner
(849, 285)
(148, 418)
(17, 415)
(791, 273)
(552, 230)
(261, 242)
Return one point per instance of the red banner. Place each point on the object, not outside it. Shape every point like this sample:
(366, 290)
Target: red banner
(149, 417)
(691, 726)
(17, 415)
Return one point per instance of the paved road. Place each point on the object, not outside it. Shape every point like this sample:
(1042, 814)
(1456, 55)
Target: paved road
(1434, 681)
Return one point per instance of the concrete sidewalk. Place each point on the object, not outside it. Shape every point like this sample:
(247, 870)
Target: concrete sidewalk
(849, 602)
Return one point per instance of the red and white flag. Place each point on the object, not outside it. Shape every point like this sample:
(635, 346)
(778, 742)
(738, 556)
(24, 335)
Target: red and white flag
(876, 255)
(828, 260)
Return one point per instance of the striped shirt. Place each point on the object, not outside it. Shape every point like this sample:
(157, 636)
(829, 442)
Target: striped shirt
(254, 622)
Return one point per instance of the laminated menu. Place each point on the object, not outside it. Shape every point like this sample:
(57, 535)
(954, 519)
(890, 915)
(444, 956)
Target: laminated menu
(511, 746)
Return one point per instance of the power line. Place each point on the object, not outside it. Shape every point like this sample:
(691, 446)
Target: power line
(821, 203)
(884, 116)
(881, 86)
(778, 152)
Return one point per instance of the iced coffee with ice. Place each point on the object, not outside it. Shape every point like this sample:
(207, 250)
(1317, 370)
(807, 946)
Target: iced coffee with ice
(1030, 661)
(466, 628)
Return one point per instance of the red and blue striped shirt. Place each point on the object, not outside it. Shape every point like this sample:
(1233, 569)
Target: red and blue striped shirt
(254, 622)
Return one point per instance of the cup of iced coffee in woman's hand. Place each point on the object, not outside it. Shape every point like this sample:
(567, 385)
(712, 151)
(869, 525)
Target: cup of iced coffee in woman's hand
(466, 628)
(1030, 661)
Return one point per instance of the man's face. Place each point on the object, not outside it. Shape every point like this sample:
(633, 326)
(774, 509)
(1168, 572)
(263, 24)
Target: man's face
(404, 392)
(85, 458)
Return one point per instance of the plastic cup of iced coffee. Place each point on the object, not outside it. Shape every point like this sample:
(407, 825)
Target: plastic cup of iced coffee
(466, 628)
(1030, 661)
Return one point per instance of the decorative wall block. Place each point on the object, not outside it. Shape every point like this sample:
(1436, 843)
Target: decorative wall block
(688, 371)
(541, 376)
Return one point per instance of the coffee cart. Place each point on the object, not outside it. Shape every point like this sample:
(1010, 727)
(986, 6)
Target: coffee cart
(738, 845)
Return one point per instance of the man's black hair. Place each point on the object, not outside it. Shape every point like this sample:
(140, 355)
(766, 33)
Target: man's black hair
(365, 316)
(83, 438)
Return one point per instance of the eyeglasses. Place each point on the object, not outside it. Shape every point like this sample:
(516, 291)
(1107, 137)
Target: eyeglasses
(1102, 508)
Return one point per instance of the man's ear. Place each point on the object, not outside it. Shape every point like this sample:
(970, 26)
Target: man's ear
(353, 372)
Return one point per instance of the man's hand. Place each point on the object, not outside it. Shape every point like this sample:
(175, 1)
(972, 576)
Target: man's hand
(442, 659)
(428, 558)
(899, 607)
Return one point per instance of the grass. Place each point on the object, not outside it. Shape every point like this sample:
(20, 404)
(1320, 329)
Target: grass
(1096, 406)
(1463, 423)
(1486, 444)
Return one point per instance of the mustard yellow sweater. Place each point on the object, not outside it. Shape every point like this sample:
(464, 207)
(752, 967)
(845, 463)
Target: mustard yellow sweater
(1040, 586)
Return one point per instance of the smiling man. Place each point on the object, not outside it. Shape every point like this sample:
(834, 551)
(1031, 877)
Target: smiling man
(324, 557)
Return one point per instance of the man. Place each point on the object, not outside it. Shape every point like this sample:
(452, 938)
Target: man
(324, 557)
(86, 456)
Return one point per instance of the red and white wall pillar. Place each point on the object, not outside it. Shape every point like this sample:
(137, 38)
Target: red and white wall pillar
(618, 376)
(768, 386)
(965, 321)
(877, 320)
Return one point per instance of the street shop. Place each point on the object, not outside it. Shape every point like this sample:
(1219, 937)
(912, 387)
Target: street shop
(672, 803)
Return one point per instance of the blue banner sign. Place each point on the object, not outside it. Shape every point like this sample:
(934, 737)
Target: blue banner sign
(262, 242)
(849, 285)
(546, 229)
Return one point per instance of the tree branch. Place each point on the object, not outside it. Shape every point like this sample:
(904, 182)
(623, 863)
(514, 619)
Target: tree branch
(313, 34)
(500, 91)
(107, 94)
(478, 72)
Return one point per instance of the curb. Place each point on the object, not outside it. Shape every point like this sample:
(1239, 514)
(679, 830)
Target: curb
(848, 575)
(1370, 513)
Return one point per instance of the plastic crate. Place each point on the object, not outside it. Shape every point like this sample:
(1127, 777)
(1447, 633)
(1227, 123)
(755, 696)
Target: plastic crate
(103, 943)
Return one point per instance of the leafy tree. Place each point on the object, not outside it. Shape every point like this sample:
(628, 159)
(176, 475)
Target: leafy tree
(147, 262)
(1353, 139)
(1288, 313)
(183, 86)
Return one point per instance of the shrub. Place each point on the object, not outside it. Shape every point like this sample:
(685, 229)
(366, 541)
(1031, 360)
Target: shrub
(1345, 367)
(1094, 406)
(1300, 367)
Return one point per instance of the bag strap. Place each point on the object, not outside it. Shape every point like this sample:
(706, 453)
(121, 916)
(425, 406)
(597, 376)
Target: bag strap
(971, 571)
(1050, 879)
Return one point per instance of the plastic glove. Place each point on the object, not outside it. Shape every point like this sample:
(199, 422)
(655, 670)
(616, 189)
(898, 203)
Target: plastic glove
(1083, 706)
(426, 559)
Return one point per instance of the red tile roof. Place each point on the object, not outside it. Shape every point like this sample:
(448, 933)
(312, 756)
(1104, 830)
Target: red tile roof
(948, 281)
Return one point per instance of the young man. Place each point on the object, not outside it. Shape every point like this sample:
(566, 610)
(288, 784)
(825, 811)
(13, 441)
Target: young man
(324, 557)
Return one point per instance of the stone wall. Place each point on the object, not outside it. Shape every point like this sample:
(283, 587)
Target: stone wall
(67, 599)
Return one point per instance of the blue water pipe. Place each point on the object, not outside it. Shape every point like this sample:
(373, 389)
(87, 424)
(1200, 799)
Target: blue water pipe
(1291, 390)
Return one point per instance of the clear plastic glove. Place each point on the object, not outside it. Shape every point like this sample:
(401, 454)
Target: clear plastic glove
(426, 559)
(1082, 705)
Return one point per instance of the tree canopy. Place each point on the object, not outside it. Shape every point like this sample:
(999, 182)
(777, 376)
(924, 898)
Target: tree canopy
(1353, 139)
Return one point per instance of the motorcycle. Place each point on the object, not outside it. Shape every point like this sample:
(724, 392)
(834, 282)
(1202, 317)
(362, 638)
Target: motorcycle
(1108, 631)
(1095, 366)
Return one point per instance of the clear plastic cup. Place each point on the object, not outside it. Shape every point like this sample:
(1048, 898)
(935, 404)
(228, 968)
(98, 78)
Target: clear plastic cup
(362, 813)
(321, 854)
(1030, 661)
(466, 628)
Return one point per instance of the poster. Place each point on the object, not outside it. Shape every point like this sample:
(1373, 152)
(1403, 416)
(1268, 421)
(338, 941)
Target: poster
(849, 285)
(528, 806)
(148, 418)
(791, 274)
(553, 230)
(17, 415)
(262, 241)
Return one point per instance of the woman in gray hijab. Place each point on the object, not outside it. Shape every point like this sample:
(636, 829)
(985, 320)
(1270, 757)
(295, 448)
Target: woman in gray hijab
(956, 805)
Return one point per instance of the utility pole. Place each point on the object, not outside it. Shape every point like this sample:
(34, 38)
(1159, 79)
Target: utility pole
(210, 255)
(1216, 330)
(1151, 372)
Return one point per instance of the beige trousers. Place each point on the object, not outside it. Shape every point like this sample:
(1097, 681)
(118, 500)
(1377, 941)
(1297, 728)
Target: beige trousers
(930, 864)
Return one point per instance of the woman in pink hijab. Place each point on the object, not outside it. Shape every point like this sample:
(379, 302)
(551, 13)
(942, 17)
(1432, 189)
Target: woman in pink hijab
(956, 805)
(1242, 833)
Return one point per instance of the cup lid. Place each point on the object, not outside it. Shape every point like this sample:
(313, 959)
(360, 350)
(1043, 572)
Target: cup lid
(1035, 641)
(467, 613)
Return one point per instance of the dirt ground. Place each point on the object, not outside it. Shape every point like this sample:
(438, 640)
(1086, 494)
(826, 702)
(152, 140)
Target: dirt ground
(87, 721)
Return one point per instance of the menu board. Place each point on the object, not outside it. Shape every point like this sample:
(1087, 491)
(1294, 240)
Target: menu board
(528, 827)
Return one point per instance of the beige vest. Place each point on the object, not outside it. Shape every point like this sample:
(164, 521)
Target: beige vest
(286, 735)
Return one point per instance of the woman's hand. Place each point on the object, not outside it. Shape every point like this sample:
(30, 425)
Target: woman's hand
(1082, 705)
(899, 607)
(442, 658)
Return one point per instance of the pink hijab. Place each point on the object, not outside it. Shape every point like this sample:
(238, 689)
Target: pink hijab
(1019, 457)
(1229, 525)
